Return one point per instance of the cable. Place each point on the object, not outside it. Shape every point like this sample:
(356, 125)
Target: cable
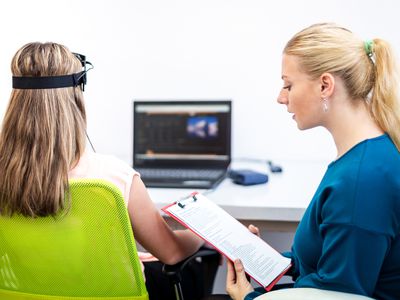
(274, 168)
(90, 142)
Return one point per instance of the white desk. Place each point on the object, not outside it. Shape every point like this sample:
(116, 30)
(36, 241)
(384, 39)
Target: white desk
(278, 205)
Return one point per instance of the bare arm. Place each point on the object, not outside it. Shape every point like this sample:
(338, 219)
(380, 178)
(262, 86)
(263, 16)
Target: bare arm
(153, 233)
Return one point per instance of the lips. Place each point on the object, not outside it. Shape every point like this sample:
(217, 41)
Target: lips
(293, 115)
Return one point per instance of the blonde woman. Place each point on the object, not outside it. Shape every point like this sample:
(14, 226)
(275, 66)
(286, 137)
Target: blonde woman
(349, 237)
(42, 146)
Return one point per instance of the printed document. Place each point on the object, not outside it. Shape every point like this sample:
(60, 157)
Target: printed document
(209, 221)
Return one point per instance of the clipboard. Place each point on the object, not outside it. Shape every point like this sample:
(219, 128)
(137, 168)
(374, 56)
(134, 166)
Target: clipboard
(231, 238)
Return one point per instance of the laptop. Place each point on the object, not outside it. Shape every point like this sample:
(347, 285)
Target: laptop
(182, 144)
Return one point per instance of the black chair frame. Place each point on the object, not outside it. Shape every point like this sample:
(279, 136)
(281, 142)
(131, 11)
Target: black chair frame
(210, 261)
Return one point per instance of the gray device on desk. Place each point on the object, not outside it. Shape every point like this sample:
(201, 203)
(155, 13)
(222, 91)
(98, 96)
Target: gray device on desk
(182, 144)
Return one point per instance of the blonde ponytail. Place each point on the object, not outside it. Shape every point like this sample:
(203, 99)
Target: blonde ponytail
(384, 102)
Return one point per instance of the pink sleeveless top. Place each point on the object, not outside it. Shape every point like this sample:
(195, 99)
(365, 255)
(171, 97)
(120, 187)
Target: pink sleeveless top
(107, 167)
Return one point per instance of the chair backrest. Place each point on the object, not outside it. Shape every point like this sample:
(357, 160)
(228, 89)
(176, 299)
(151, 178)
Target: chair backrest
(86, 252)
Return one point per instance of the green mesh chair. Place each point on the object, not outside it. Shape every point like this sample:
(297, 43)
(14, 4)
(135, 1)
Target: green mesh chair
(88, 252)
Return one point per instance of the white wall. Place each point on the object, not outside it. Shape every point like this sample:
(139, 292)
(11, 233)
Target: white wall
(184, 49)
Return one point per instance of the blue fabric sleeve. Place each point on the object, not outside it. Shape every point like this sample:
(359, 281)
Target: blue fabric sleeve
(351, 259)
(293, 271)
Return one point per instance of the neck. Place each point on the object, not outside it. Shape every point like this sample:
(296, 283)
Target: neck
(351, 125)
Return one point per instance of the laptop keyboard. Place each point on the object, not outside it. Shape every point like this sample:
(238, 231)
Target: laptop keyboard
(181, 173)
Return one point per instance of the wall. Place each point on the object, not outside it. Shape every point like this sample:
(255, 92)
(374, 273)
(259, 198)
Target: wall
(186, 49)
(210, 49)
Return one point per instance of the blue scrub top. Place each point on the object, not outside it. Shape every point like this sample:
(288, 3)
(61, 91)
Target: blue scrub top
(348, 239)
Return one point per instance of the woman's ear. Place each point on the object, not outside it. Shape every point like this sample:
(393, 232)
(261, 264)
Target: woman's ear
(327, 82)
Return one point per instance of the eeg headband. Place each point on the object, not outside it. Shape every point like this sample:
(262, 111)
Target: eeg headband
(53, 82)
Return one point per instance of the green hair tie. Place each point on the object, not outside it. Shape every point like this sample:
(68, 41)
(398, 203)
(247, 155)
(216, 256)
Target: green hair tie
(368, 47)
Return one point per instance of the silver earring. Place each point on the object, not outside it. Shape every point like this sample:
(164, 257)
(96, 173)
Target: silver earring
(325, 106)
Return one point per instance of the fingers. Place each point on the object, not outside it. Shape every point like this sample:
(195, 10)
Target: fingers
(240, 273)
(237, 284)
(231, 274)
(254, 229)
(235, 272)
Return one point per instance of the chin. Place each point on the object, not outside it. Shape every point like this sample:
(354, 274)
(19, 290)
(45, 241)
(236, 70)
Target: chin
(303, 126)
(300, 128)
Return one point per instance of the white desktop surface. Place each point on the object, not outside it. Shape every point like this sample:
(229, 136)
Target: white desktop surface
(275, 207)
(284, 198)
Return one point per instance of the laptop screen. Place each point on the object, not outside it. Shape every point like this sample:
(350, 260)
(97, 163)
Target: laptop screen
(182, 133)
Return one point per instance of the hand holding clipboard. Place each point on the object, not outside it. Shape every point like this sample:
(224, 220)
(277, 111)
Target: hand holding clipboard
(231, 238)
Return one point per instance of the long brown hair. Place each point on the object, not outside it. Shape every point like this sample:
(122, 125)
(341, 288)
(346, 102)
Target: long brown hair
(42, 135)
(372, 77)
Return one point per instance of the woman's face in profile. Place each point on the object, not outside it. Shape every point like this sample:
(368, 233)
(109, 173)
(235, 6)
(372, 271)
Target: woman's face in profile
(300, 94)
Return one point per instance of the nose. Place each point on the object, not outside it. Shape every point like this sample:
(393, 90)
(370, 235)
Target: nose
(282, 97)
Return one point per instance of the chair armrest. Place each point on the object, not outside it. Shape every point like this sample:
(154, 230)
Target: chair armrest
(207, 260)
(174, 271)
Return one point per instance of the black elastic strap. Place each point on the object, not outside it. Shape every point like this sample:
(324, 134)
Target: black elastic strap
(48, 82)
